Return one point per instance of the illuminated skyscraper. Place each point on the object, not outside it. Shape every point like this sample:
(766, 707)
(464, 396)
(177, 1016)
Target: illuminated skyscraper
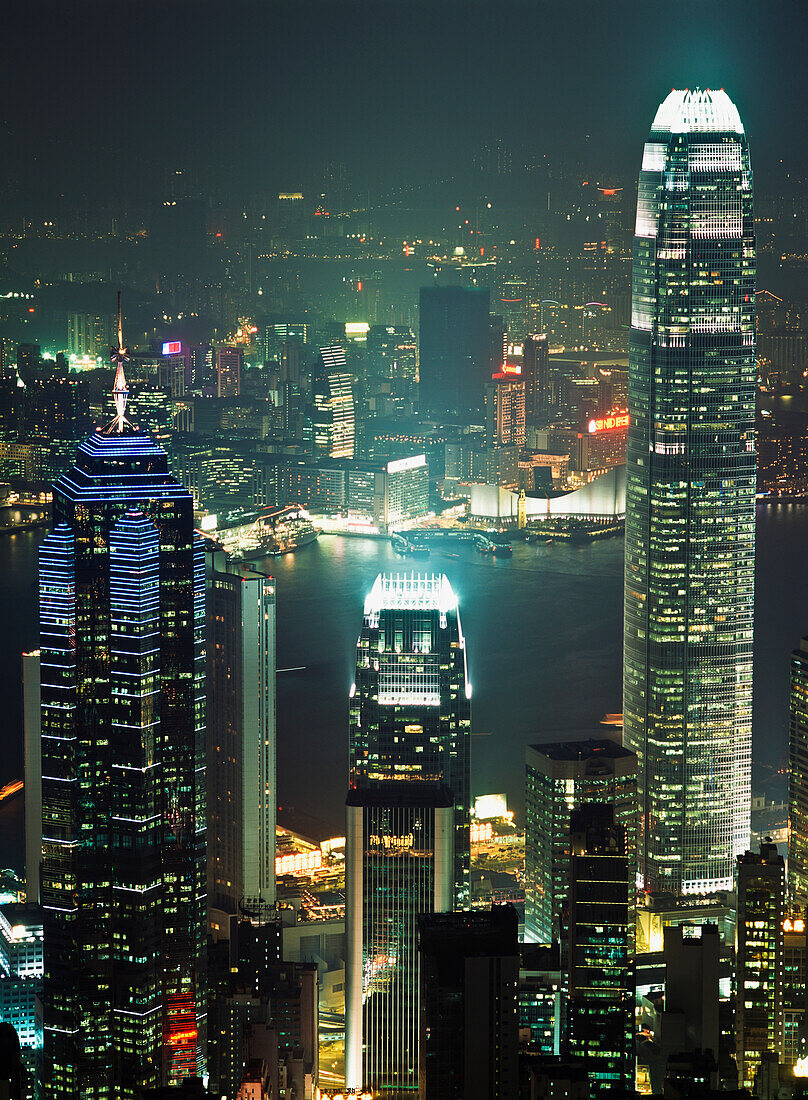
(334, 413)
(122, 624)
(407, 847)
(690, 495)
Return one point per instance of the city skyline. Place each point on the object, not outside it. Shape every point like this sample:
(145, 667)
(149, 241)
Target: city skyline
(424, 325)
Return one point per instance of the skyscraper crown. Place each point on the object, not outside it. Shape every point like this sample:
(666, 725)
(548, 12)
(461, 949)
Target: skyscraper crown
(701, 110)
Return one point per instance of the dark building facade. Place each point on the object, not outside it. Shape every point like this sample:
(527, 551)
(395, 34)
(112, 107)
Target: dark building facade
(455, 351)
(469, 1023)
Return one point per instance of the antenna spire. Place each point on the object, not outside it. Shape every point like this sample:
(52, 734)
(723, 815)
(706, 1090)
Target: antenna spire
(120, 390)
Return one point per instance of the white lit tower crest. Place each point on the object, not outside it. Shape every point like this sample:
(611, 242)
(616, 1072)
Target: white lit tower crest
(120, 391)
(690, 495)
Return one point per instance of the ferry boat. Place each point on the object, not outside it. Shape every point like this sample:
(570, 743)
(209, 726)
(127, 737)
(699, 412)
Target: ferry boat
(247, 536)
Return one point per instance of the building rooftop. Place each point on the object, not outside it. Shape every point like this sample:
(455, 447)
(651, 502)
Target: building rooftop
(583, 750)
(700, 110)
(411, 592)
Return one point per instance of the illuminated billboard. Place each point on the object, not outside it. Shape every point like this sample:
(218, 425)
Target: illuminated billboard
(608, 423)
(172, 347)
(399, 464)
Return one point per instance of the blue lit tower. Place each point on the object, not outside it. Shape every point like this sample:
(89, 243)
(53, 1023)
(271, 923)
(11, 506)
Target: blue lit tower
(690, 495)
(122, 605)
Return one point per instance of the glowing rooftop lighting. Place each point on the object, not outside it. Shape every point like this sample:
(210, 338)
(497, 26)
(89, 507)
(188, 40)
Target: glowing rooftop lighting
(411, 591)
(701, 110)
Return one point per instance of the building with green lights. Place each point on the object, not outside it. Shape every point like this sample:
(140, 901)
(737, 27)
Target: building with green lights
(690, 496)
(122, 629)
(600, 973)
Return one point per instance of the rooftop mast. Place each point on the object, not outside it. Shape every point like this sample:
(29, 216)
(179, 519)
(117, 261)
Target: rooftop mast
(120, 390)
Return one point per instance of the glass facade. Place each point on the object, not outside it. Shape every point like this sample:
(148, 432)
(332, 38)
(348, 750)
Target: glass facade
(559, 778)
(122, 621)
(690, 495)
(408, 849)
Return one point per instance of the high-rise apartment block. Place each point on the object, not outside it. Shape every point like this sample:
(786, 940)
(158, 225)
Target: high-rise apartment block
(407, 847)
(798, 777)
(242, 790)
(601, 981)
(469, 1029)
(559, 778)
(690, 495)
(761, 895)
(229, 364)
(122, 628)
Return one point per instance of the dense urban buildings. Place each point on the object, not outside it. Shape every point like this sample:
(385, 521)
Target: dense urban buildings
(241, 786)
(560, 777)
(407, 839)
(122, 624)
(690, 495)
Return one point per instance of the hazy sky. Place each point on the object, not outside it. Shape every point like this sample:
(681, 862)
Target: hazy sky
(391, 88)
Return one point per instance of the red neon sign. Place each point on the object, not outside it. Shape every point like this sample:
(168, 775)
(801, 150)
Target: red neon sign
(608, 423)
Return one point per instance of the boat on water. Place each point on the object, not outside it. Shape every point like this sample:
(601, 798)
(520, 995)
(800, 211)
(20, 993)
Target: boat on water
(267, 532)
(402, 545)
(502, 550)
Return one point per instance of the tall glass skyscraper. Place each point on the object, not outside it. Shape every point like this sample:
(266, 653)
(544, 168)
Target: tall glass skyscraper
(690, 495)
(122, 622)
(407, 840)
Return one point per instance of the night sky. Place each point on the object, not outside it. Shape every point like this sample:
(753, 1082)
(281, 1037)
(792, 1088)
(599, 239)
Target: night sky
(99, 97)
